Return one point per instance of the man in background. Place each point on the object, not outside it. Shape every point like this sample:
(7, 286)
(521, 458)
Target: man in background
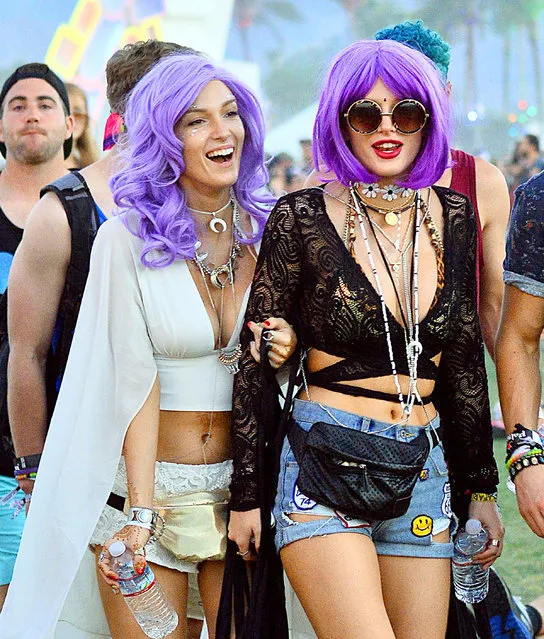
(35, 138)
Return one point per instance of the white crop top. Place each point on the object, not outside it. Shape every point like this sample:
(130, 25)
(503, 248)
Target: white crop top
(178, 328)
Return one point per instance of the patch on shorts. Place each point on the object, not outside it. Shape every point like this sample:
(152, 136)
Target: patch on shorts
(422, 525)
(446, 500)
(424, 474)
(301, 501)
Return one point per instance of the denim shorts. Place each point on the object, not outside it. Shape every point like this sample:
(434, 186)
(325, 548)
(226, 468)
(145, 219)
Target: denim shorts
(11, 529)
(409, 535)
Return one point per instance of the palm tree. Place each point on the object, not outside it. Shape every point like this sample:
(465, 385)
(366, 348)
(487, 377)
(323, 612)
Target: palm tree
(456, 18)
(374, 15)
(249, 13)
(520, 15)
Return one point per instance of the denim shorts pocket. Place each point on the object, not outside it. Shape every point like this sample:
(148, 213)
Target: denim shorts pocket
(437, 463)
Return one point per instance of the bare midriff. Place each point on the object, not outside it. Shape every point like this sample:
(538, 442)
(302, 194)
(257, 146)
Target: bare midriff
(183, 436)
(380, 410)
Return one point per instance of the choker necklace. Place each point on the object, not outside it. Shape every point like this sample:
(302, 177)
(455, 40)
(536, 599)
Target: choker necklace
(389, 192)
(222, 275)
(216, 224)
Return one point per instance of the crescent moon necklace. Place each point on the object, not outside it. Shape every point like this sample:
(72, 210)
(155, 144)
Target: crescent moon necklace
(216, 224)
(222, 275)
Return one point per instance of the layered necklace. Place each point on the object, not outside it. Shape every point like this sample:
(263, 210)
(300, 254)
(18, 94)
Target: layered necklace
(410, 308)
(221, 275)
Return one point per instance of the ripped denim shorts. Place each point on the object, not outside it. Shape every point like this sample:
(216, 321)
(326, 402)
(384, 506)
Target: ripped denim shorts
(408, 536)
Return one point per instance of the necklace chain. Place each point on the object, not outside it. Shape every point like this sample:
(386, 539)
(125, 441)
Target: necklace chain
(221, 275)
(411, 332)
(217, 224)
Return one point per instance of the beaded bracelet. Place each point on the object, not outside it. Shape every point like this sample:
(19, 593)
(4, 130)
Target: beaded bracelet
(525, 462)
(483, 497)
(533, 452)
(25, 473)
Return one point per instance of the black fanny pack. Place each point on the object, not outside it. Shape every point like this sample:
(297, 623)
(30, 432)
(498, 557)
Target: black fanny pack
(362, 475)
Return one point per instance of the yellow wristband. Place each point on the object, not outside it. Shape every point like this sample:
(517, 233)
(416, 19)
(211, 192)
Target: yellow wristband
(483, 497)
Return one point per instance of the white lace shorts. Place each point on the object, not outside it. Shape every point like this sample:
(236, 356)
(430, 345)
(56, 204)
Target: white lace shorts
(170, 480)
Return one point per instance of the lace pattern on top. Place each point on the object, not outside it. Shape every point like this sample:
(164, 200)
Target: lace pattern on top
(306, 275)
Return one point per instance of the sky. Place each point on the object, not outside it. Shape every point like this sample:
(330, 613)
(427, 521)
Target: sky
(27, 29)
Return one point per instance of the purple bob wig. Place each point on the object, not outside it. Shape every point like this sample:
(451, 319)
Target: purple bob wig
(408, 74)
(152, 157)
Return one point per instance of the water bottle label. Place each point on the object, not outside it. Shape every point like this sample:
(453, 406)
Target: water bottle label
(137, 584)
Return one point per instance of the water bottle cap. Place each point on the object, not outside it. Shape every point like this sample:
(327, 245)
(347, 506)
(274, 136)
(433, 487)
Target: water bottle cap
(473, 527)
(117, 549)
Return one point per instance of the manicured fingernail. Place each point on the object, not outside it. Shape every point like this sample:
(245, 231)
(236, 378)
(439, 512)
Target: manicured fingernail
(267, 323)
(249, 324)
(140, 570)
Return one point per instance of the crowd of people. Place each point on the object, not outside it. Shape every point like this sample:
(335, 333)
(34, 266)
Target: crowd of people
(156, 292)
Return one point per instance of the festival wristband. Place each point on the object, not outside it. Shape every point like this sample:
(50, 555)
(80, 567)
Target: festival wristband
(27, 462)
(483, 497)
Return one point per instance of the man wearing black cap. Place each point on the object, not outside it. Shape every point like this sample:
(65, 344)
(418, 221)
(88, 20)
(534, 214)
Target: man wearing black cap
(35, 137)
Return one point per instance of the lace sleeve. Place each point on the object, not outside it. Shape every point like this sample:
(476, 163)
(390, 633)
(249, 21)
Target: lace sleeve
(464, 400)
(273, 294)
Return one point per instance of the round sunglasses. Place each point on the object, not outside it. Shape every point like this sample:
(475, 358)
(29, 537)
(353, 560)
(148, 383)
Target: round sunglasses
(365, 116)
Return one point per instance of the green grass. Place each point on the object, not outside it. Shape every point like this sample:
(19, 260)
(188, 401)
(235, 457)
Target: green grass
(521, 562)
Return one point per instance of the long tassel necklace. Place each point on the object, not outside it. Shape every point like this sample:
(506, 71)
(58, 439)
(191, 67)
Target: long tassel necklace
(411, 333)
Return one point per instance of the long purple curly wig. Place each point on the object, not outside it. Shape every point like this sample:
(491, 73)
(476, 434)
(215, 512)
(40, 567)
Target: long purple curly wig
(152, 157)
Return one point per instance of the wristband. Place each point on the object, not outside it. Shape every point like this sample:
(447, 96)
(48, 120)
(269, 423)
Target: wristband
(483, 497)
(27, 462)
(25, 473)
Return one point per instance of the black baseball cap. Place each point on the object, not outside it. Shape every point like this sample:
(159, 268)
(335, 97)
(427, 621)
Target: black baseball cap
(42, 72)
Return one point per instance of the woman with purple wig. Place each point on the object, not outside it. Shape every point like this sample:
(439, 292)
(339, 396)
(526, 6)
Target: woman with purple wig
(375, 269)
(142, 423)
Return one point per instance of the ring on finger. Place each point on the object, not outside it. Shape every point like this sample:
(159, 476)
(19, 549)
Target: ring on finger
(139, 551)
(243, 554)
(494, 542)
(102, 556)
(268, 336)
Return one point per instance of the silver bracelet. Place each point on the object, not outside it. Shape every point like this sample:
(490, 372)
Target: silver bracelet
(147, 518)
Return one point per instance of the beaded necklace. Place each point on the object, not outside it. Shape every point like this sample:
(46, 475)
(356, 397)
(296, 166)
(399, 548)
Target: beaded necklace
(411, 332)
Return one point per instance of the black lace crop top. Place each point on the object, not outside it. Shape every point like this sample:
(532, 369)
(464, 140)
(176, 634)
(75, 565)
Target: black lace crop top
(306, 275)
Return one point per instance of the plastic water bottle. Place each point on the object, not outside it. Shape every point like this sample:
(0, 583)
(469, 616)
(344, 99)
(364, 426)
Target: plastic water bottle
(469, 579)
(143, 594)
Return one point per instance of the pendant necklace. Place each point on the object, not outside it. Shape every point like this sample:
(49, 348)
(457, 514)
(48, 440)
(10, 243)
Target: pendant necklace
(391, 216)
(216, 224)
(222, 275)
(228, 356)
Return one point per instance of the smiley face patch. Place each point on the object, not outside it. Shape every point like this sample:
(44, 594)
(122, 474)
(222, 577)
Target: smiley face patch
(422, 525)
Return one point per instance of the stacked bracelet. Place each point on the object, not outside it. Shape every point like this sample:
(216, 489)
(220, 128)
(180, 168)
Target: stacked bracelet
(27, 461)
(483, 497)
(146, 518)
(524, 448)
(25, 473)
